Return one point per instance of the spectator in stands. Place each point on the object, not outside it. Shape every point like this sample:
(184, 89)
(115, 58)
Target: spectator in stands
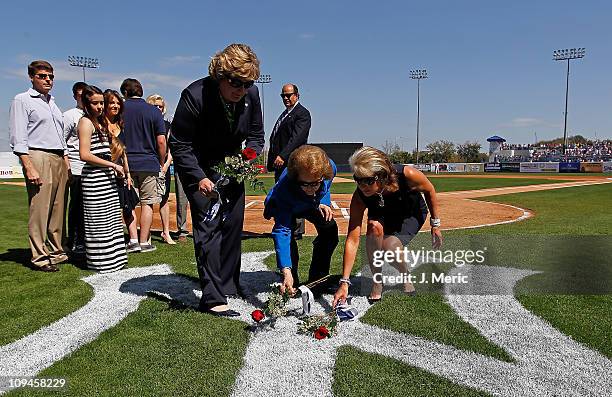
(36, 133)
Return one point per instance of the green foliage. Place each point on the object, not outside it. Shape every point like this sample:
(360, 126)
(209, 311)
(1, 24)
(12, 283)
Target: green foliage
(441, 151)
(469, 152)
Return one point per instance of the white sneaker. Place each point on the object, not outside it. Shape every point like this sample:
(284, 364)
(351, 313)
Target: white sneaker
(133, 247)
(147, 247)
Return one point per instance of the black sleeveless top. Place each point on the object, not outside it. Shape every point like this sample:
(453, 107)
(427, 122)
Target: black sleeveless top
(404, 203)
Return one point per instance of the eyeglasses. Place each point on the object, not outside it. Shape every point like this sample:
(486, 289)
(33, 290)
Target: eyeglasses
(237, 83)
(310, 184)
(44, 76)
(368, 180)
(288, 95)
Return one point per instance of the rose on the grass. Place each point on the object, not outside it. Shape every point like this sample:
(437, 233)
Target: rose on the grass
(321, 333)
(258, 315)
(249, 153)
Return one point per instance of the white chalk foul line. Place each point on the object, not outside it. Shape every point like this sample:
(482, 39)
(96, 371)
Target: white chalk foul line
(335, 205)
(250, 203)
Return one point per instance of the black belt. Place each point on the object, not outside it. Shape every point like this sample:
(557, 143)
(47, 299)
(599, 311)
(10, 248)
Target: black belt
(57, 152)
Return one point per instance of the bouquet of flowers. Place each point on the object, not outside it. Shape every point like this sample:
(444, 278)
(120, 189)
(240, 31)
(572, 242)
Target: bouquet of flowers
(274, 307)
(320, 326)
(239, 168)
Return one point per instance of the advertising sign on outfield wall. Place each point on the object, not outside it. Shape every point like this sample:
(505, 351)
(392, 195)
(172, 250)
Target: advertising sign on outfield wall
(14, 171)
(455, 167)
(569, 167)
(591, 167)
(422, 167)
(511, 167)
(492, 167)
(539, 167)
(607, 167)
(474, 167)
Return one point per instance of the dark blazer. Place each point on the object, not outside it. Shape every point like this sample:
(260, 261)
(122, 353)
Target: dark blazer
(201, 134)
(291, 134)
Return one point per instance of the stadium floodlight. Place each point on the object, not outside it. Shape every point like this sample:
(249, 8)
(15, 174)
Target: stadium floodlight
(263, 79)
(418, 75)
(84, 62)
(567, 55)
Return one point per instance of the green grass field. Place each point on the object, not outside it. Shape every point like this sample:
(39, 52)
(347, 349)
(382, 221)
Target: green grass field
(158, 350)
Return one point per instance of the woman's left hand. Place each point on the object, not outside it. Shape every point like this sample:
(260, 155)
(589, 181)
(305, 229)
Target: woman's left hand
(129, 182)
(327, 212)
(436, 237)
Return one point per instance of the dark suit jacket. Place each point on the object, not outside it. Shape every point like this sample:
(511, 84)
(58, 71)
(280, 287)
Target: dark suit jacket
(202, 136)
(291, 134)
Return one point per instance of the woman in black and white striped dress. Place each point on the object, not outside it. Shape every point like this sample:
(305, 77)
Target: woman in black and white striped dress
(104, 242)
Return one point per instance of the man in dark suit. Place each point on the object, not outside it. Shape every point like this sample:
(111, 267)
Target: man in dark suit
(213, 118)
(290, 132)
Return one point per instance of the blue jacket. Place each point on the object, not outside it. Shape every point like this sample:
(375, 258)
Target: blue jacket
(287, 201)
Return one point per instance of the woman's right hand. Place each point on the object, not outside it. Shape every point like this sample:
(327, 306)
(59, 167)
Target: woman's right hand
(206, 187)
(287, 284)
(341, 294)
(119, 170)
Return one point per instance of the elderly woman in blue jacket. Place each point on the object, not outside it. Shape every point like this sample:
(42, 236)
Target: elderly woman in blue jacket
(303, 191)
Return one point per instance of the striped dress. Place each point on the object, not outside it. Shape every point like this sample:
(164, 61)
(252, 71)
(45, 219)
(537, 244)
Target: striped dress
(104, 242)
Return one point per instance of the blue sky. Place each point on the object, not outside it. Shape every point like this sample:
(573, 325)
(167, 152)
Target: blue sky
(489, 62)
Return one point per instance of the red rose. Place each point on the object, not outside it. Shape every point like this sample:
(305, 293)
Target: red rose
(321, 333)
(249, 154)
(258, 315)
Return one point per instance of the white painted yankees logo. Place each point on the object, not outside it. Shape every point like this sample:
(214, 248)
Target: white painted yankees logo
(280, 362)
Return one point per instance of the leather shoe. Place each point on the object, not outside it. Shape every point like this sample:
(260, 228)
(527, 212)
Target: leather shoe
(224, 313)
(47, 268)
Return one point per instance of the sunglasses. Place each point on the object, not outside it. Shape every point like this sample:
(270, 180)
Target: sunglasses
(310, 184)
(287, 95)
(44, 76)
(237, 83)
(368, 180)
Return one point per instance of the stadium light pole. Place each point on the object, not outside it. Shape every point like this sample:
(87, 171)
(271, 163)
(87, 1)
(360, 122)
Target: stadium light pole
(417, 75)
(263, 79)
(84, 62)
(567, 55)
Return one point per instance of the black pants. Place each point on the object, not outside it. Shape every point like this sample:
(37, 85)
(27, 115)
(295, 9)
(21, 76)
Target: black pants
(76, 225)
(217, 244)
(323, 247)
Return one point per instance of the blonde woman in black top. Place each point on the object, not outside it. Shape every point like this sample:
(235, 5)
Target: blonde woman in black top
(397, 199)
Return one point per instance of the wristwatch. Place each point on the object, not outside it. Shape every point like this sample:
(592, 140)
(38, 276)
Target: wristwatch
(345, 281)
(434, 222)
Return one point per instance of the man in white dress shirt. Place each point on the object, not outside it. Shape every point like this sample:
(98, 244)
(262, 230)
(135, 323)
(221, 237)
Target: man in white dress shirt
(37, 137)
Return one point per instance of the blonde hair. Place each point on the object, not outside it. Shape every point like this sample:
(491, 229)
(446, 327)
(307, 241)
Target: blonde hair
(236, 60)
(310, 158)
(151, 99)
(368, 161)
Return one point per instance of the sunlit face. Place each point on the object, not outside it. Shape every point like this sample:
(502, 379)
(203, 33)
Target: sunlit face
(160, 105)
(229, 93)
(369, 185)
(96, 105)
(289, 96)
(42, 81)
(77, 97)
(309, 182)
(113, 107)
